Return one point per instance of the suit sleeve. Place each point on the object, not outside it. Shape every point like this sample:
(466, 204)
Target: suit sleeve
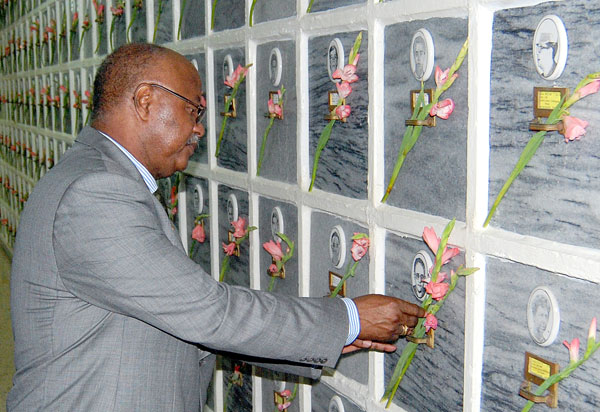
(112, 252)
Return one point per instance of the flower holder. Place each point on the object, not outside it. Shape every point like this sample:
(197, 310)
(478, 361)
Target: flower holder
(334, 280)
(538, 126)
(545, 100)
(334, 103)
(537, 370)
(232, 113)
(274, 96)
(429, 340)
(279, 274)
(279, 399)
(429, 122)
(231, 238)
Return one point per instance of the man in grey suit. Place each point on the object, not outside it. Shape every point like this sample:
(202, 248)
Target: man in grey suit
(109, 313)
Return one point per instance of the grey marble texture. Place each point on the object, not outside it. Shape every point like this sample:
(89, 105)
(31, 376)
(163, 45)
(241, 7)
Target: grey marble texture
(233, 153)
(192, 22)
(229, 14)
(137, 32)
(321, 5)
(434, 380)
(557, 196)
(353, 365)
(236, 398)
(289, 285)
(201, 252)
(201, 153)
(239, 271)
(507, 337)
(267, 10)
(433, 177)
(119, 33)
(279, 162)
(321, 396)
(164, 31)
(343, 163)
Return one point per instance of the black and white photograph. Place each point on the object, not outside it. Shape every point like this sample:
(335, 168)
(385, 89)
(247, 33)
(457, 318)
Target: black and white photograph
(275, 67)
(422, 55)
(550, 47)
(335, 57)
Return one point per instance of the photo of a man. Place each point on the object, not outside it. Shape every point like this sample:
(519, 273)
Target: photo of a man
(421, 55)
(549, 41)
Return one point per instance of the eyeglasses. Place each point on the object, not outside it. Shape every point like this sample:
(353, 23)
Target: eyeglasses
(199, 108)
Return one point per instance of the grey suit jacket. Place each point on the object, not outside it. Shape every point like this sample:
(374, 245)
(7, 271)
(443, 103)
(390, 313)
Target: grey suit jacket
(108, 312)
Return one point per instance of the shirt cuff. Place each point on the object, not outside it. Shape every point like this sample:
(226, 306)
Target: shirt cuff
(353, 321)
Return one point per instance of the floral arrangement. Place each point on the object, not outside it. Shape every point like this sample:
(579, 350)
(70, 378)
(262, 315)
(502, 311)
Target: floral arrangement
(346, 76)
(570, 127)
(117, 14)
(78, 105)
(85, 26)
(63, 32)
(232, 81)
(136, 7)
(275, 111)
(240, 234)
(66, 102)
(49, 37)
(100, 20)
(278, 256)
(73, 32)
(442, 109)
(158, 13)
(286, 397)
(574, 361)
(174, 180)
(438, 291)
(198, 233)
(360, 247)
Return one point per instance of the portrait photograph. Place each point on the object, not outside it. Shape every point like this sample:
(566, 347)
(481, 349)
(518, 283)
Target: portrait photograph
(335, 57)
(276, 223)
(420, 274)
(337, 246)
(227, 66)
(232, 208)
(543, 317)
(550, 47)
(275, 67)
(198, 200)
(422, 55)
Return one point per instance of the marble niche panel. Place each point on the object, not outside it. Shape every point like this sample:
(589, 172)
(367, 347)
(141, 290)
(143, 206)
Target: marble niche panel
(442, 367)
(322, 5)
(279, 160)
(236, 397)
(342, 166)
(192, 19)
(238, 273)
(229, 14)
(138, 32)
(507, 337)
(163, 15)
(277, 382)
(196, 190)
(233, 152)
(325, 399)
(274, 216)
(437, 163)
(201, 152)
(331, 240)
(273, 10)
(557, 196)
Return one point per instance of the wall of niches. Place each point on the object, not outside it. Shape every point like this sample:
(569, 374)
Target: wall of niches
(545, 232)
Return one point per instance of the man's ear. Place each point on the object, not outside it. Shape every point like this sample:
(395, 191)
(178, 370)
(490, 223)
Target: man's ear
(142, 98)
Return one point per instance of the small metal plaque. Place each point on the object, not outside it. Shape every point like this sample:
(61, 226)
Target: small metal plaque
(545, 99)
(232, 107)
(334, 281)
(414, 97)
(537, 370)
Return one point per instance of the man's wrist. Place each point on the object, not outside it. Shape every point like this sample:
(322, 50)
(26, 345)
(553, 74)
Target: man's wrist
(353, 321)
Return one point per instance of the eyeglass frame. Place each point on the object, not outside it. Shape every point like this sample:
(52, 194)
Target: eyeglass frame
(199, 108)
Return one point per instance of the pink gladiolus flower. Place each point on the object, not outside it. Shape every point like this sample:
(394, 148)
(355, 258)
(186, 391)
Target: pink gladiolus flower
(229, 248)
(235, 76)
(343, 111)
(62, 88)
(274, 108)
(286, 393)
(240, 228)
(437, 290)
(592, 330)
(344, 89)
(574, 128)
(347, 74)
(273, 268)
(283, 406)
(433, 242)
(117, 11)
(274, 249)
(441, 76)
(442, 109)
(588, 89)
(198, 234)
(430, 322)
(355, 61)
(359, 248)
(573, 349)
(442, 277)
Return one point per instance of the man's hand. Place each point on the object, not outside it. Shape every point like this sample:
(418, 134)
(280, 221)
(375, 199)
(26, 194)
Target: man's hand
(359, 344)
(382, 319)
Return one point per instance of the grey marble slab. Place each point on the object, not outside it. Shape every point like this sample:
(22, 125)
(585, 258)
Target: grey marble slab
(343, 163)
(201, 152)
(434, 380)
(233, 154)
(354, 365)
(201, 251)
(557, 196)
(507, 337)
(321, 396)
(321, 5)
(164, 29)
(238, 273)
(192, 19)
(119, 33)
(289, 212)
(277, 382)
(433, 177)
(267, 10)
(138, 28)
(236, 398)
(279, 161)
(229, 14)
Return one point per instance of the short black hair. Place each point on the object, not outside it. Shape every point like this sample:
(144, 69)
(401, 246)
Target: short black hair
(120, 73)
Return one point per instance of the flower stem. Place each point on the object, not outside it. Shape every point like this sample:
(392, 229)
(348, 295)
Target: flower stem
(181, 11)
(250, 19)
(191, 254)
(323, 139)
(133, 17)
(99, 37)
(310, 6)
(271, 284)
(223, 124)
(212, 14)
(160, 9)
(224, 268)
(263, 145)
(349, 272)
